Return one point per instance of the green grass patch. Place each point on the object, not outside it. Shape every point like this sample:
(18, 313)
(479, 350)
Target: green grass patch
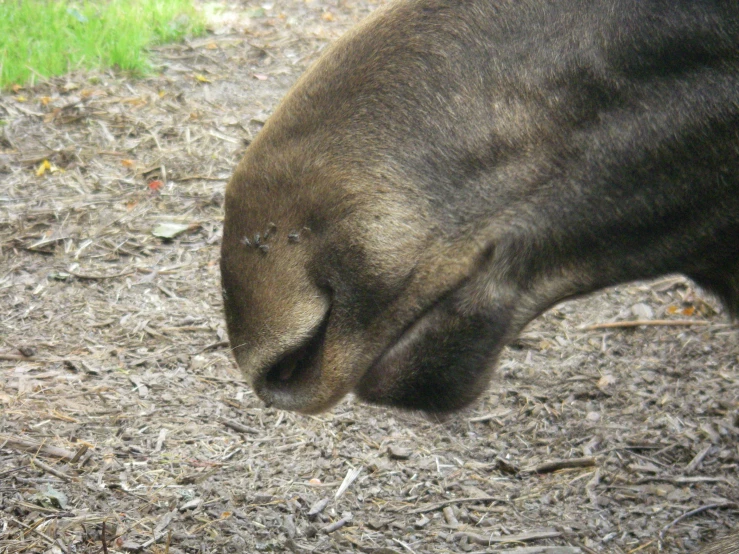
(43, 38)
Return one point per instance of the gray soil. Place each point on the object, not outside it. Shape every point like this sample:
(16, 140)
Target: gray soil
(125, 427)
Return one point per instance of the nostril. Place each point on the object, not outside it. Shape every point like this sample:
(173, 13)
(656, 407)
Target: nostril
(284, 369)
(287, 369)
(295, 366)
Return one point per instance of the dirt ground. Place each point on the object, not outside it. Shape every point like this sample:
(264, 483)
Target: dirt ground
(125, 427)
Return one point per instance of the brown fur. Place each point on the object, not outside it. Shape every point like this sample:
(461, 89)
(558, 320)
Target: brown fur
(725, 545)
(449, 170)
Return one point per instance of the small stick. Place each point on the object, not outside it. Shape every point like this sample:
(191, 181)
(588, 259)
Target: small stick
(213, 346)
(488, 417)
(697, 511)
(555, 465)
(198, 177)
(698, 460)
(44, 536)
(49, 469)
(351, 475)
(437, 505)
(35, 447)
(86, 277)
(336, 525)
(647, 322)
(16, 358)
(102, 538)
(542, 550)
(492, 539)
(160, 440)
(241, 428)
(81, 451)
(591, 486)
(642, 547)
(404, 545)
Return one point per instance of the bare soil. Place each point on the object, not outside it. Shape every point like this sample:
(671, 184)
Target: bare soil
(124, 426)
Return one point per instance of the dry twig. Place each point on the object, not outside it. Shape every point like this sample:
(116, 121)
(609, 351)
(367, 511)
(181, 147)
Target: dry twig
(647, 323)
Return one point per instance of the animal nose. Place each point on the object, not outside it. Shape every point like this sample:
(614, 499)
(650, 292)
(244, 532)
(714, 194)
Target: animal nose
(294, 376)
(291, 364)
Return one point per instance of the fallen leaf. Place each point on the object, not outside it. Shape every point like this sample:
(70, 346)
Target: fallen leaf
(20, 98)
(155, 185)
(43, 168)
(260, 77)
(50, 498)
(169, 230)
(327, 16)
(202, 78)
(128, 163)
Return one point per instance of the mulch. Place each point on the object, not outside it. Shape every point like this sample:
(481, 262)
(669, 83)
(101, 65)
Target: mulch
(612, 424)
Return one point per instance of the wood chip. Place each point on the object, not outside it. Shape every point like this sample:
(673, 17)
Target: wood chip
(351, 475)
(495, 539)
(49, 469)
(36, 448)
(240, 427)
(346, 517)
(436, 505)
(398, 453)
(541, 550)
(647, 323)
(318, 507)
(556, 465)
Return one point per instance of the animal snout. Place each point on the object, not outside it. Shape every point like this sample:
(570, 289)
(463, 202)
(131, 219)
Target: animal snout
(292, 381)
(294, 366)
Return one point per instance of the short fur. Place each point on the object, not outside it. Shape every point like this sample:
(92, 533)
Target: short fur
(449, 170)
